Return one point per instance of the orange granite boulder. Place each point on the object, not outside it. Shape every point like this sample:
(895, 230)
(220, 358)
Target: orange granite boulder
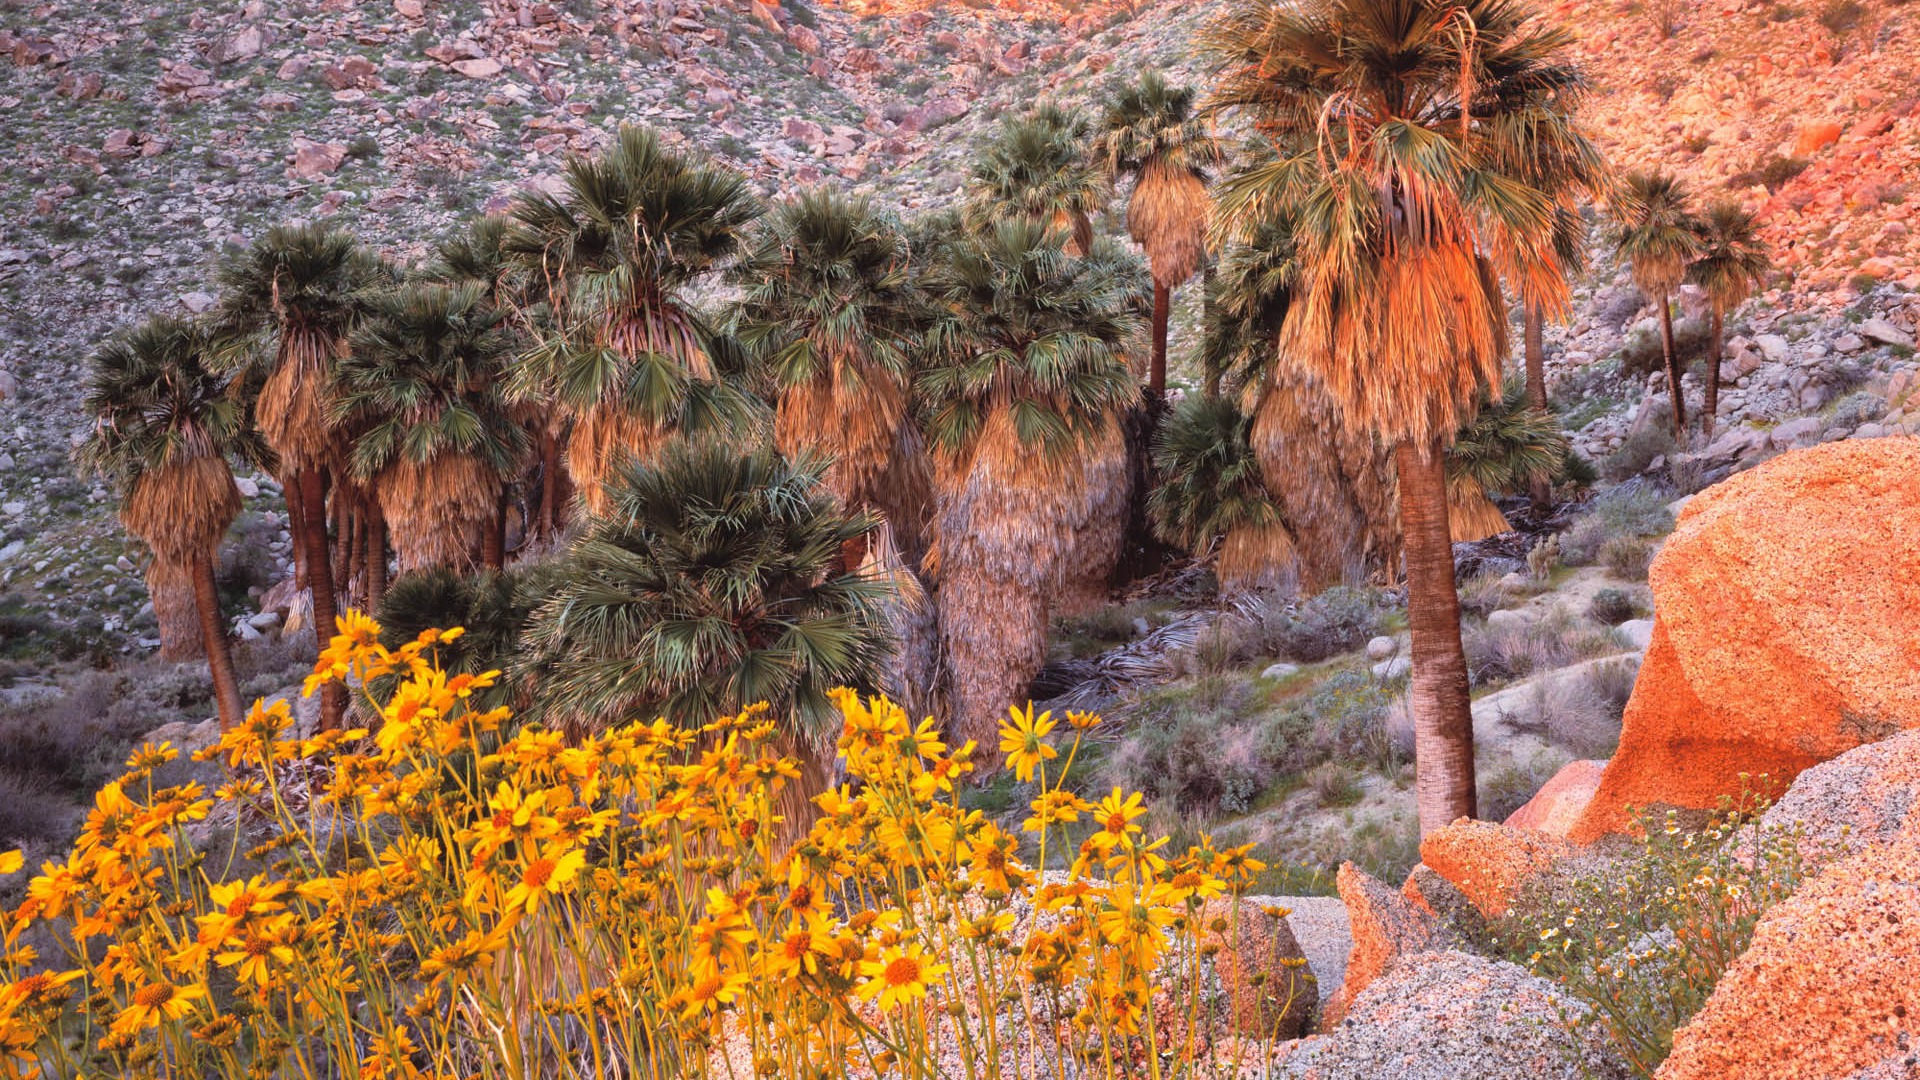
(1271, 992)
(1386, 926)
(1864, 797)
(1827, 987)
(1788, 608)
(1558, 805)
(1489, 862)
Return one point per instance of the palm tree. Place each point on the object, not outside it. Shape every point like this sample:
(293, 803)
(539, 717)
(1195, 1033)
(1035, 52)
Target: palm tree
(1655, 232)
(482, 254)
(1509, 446)
(1213, 493)
(1025, 387)
(1035, 168)
(1332, 481)
(631, 361)
(492, 607)
(1389, 123)
(303, 288)
(712, 581)
(1732, 262)
(422, 386)
(827, 291)
(1150, 131)
(163, 429)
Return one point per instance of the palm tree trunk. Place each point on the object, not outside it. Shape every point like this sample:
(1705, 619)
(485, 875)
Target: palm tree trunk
(357, 563)
(213, 630)
(1536, 348)
(313, 506)
(1442, 709)
(1711, 410)
(1208, 304)
(549, 485)
(172, 596)
(376, 555)
(1673, 370)
(340, 506)
(296, 528)
(1157, 374)
(493, 536)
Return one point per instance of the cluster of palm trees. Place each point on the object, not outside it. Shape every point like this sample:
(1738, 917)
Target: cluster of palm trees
(813, 444)
(1666, 242)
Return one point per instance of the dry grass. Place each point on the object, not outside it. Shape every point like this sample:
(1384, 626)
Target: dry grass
(1510, 651)
(436, 509)
(1169, 214)
(1258, 559)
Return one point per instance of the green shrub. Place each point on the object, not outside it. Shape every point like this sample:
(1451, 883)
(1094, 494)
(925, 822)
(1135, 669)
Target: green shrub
(1643, 941)
(1338, 620)
(1335, 785)
(1642, 446)
(1348, 716)
(1511, 651)
(1612, 607)
(1773, 173)
(1860, 407)
(1627, 557)
(1202, 763)
(1627, 510)
(1643, 353)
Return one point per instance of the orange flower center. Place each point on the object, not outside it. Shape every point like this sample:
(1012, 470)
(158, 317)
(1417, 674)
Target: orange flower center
(801, 897)
(152, 997)
(902, 971)
(539, 872)
(1116, 822)
(241, 903)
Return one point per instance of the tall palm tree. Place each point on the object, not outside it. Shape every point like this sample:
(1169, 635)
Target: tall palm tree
(302, 287)
(1732, 262)
(1025, 387)
(1035, 168)
(422, 386)
(1655, 232)
(164, 425)
(827, 293)
(1151, 132)
(711, 582)
(482, 253)
(632, 361)
(1387, 121)
(1332, 480)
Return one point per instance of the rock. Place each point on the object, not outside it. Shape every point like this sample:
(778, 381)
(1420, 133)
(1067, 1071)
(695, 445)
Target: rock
(1506, 619)
(183, 79)
(198, 303)
(243, 44)
(1559, 803)
(1788, 602)
(409, 9)
(265, 620)
(1489, 862)
(1280, 671)
(806, 131)
(1868, 431)
(1637, 633)
(1397, 668)
(246, 486)
(1774, 348)
(1885, 333)
(1382, 647)
(1450, 1015)
(484, 67)
(1812, 137)
(312, 160)
(803, 39)
(1825, 988)
(1385, 927)
(1848, 343)
(933, 114)
(1867, 796)
(1796, 432)
(1268, 984)
(1442, 899)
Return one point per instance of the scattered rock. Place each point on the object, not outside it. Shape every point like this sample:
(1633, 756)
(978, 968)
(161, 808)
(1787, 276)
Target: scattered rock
(243, 44)
(312, 160)
(1451, 1015)
(1269, 987)
(1558, 805)
(1827, 986)
(1280, 671)
(1637, 633)
(1490, 862)
(1865, 797)
(484, 67)
(1397, 668)
(1886, 333)
(1382, 647)
(1385, 927)
(1788, 601)
(803, 39)
(1812, 137)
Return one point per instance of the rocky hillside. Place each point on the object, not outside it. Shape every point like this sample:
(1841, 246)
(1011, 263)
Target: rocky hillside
(147, 137)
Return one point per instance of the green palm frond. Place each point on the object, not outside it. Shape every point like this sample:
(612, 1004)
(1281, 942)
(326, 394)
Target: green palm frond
(310, 279)
(157, 402)
(1151, 121)
(1508, 445)
(1212, 480)
(713, 582)
(1655, 230)
(1036, 168)
(1733, 261)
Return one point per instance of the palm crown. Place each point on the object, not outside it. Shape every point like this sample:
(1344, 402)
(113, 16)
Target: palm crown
(1036, 168)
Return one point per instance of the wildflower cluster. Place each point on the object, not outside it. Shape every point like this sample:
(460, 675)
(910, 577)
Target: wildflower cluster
(443, 894)
(1643, 942)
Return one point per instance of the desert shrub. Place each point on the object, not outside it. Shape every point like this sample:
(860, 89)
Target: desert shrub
(1611, 684)
(1388, 850)
(1860, 407)
(1773, 173)
(1841, 17)
(1642, 942)
(1205, 764)
(32, 813)
(1482, 594)
(1627, 557)
(1643, 354)
(1638, 509)
(1643, 445)
(1338, 620)
(1508, 787)
(1335, 784)
(1514, 650)
(887, 916)
(1348, 715)
(1612, 607)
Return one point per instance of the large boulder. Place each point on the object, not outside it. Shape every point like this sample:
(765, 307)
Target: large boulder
(1827, 986)
(1788, 602)
(1454, 1016)
(1490, 862)
(1386, 926)
(1864, 797)
(1557, 806)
